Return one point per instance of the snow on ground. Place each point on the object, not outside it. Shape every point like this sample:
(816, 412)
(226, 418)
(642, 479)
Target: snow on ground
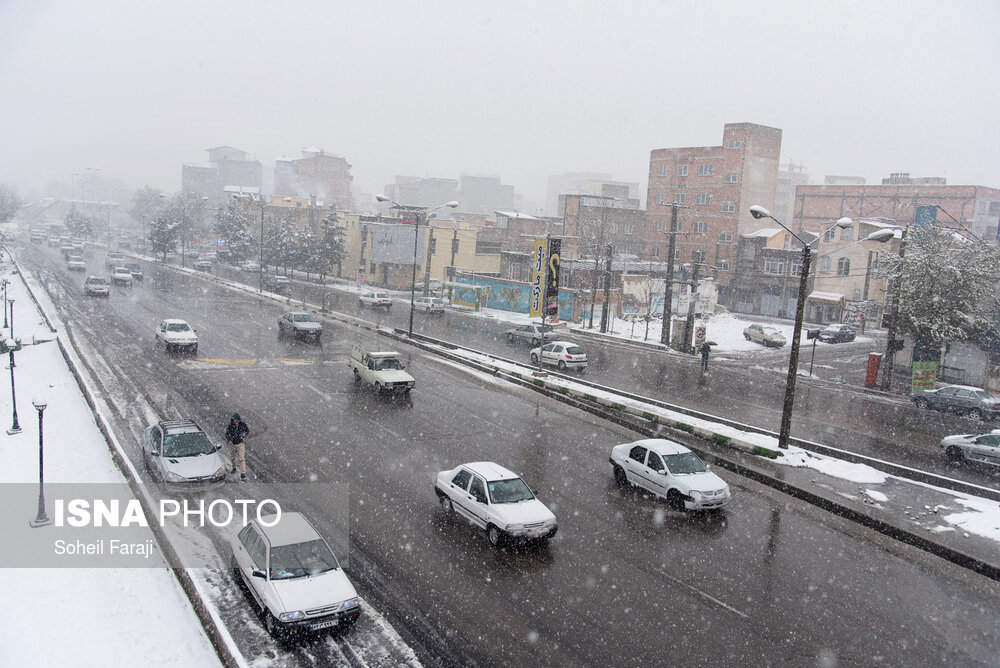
(77, 616)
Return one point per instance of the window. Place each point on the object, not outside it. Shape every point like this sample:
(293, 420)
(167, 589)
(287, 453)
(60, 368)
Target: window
(662, 171)
(774, 266)
(679, 198)
(796, 268)
(657, 225)
(700, 227)
(725, 236)
(478, 490)
(729, 207)
(655, 463)
(828, 236)
(723, 265)
(613, 228)
(824, 265)
(698, 256)
(847, 234)
(682, 170)
(654, 251)
(843, 266)
(659, 198)
(677, 253)
(994, 208)
(258, 552)
(638, 453)
(678, 226)
(730, 178)
(787, 242)
(734, 143)
(703, 198)
(706, 170)
(461, 479)
(628, 228)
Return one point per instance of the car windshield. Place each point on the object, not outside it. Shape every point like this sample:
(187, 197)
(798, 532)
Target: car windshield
(685, 462)
(178, 327)
(187, 445)
(301, 560)
(97, 281)
(388, 365)
(303, 317)
(509, 491)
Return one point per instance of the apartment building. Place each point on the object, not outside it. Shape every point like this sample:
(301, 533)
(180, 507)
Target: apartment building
(713, 188)
(228, 170)
(318, 176)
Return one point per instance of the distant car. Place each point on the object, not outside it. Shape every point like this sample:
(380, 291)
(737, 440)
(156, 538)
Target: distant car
(121, 276)
(204, 265)
(433, 286)
(54, 241)
(300, 324)
(281, 285)
(983, 448)
(962, 399)
(375, 300)
(76, 263)
(250, 265)
(113, 260)
(96, 286)
(671, 471)
(534, 333)
(135, 269)
(176, 335)
(496, 500)
(561, 354)
(766, 336)
(180, 451)
(294, 579)
(837, 333)
(429, 304)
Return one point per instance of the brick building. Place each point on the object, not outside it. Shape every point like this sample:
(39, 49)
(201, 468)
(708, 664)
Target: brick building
(227, 167)
(716, 186)
(316, 175)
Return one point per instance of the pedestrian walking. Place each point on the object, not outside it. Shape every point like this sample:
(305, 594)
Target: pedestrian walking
(236, 434)
(705, 349)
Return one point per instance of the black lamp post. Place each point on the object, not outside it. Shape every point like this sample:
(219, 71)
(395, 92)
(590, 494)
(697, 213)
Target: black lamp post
(11, 302)
(11, 346)
(41, 519)
(5, 282)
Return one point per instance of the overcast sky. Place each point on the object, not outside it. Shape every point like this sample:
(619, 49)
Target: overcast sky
(520, 90)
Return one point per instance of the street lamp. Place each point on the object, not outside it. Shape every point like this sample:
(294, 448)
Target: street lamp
(11, 345)
(41, 519)
(416, 210)
(759, 212)
(5, 283)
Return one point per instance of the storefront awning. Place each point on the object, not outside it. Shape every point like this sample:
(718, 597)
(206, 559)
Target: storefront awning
(827, 297)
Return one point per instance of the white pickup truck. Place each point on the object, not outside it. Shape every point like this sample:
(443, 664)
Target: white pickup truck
(382, 370)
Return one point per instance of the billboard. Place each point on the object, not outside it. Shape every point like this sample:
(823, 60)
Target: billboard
(538, 261)
(552, 279)
(393, 244)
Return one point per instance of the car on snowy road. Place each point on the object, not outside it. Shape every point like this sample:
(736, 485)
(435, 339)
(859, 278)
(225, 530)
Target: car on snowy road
(533, 333)
(975, 402)
(671, 471)
(375, 300)
(561, 354)
(301, 325)
(96, 286)
(766, 336)
(180, 451)
(429, 305)
(176, 335)
(294, 579)
(121, 276)
(983, 448)
(838, 333)
(496, 500)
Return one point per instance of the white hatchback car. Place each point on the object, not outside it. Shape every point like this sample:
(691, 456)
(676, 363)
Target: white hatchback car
(177, 335)
(669, 470)
(562, 354)
(429, 304)
(293, 576)
(496, 500)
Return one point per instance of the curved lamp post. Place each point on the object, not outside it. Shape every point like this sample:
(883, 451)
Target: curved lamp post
(416, 210)
(9, 346)
(784, 433)
(41, 519)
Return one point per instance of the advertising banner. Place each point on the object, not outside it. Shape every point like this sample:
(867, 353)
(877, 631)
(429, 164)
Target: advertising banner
(924, 376)
(552, 281)
(538, 261)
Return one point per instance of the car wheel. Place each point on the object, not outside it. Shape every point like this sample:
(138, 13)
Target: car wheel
(561, 365)
(976, 413)
(378, 388)
(494, 535)
(446, 505)
(357, 376)
(235, 569)
(954, 453)
(510, 338)
(675, 500)
(920, 402)
(534, 358)
(746, 336)
(270, 623)
(620, 476)
(194, 351)
(534, 342)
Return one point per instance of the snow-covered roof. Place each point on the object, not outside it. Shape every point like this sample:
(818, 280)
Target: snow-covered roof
(766, 232)
(490, 471)
(249, 190)
(831, 297)
(517, 215)
(291, 528)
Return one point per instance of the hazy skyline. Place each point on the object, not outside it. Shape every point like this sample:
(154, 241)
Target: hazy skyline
(520, 90)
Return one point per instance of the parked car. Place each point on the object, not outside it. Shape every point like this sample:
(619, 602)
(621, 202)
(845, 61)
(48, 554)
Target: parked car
(766, 336)
(962, 399)
(114, 259)
(984, 448)
(204, 265)
(433, 286)
(135, 269)
(176, 335)
(300, 324)
(837, 333)
(250, 265)
(180, 451)
(562, 354)
(293, 577)
(375, 300)
(96, 286)
(669, 470)
(534, 333)
(76, 263)
(429, 304)
(496, 500)
(281, 285)
(121, 276)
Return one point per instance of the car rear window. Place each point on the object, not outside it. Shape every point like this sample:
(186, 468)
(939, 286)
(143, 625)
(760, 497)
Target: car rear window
(575, 350)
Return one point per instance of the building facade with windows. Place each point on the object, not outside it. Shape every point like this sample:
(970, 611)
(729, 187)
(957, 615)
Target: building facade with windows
(317, 175)
(714, 188)
(228, 170)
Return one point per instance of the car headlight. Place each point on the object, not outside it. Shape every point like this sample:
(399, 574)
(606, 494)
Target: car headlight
(350, 603)
(696, 495)
(173, 477)
(514, 527)
(221, 471)
(291, 616)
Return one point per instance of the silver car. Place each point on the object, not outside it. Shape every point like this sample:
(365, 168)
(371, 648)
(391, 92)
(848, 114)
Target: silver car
(180, 451)
(975, 402)
(983, 448)
(534, 333)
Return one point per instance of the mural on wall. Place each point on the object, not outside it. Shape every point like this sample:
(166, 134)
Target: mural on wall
(512, 296)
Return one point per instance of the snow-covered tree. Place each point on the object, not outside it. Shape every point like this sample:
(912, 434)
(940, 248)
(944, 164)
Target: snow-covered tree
(78, 224)
(145, 205)
(946, 285)
(9, 202)
(233, 226)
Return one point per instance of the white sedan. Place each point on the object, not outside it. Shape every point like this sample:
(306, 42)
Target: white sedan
(561, 354)
(293, 576)
(496, 500)
(176, 335)
(671, 471)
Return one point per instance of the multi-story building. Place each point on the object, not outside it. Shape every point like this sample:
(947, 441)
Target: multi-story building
(598, 184)
(484, 194)
(784, 196)
(716, 186)
(228, 170)
(316, 175)
(590, 223)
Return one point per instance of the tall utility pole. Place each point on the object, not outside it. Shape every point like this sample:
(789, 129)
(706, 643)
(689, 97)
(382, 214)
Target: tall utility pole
(606, 308)
(890, 331)
(427, 264)
(692, 303)
(668, 288)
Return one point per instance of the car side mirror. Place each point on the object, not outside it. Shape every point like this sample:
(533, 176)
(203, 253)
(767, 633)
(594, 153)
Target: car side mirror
(662, 472)
(155, 453)
(708, 467)
(257, 573)
(218, 446)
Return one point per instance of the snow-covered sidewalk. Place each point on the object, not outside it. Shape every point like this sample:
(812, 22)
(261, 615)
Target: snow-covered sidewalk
(77, 616)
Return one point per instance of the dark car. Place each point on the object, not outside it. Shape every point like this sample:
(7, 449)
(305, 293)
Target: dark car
(281, 285)
(300, 324)
(838, 333)
(135, 269)
(962, 399)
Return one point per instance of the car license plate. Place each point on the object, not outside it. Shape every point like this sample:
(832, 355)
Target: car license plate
(324, 625)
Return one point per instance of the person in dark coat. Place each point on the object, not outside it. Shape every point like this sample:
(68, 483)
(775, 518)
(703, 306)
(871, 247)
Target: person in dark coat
(236, 434)
(705, 349)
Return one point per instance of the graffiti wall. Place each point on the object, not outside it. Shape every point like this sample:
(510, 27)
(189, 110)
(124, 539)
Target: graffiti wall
(505, 295)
